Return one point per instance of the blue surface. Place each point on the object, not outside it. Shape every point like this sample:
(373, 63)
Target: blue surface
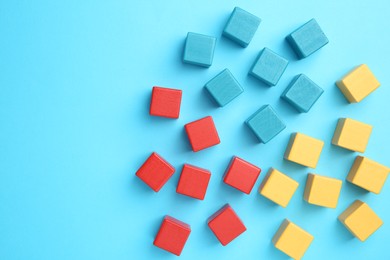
(199, 49)
(75, 82)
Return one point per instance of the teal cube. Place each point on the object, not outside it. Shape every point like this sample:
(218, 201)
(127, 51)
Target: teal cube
(199, 49)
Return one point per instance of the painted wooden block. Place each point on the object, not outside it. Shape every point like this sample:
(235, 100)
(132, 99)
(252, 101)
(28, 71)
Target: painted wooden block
(322, 191)
(193, 181)
(358, 84)
(223, 88)
(202, 133)
(165, 102)
(199, 49)
(360, 220)
(307, 39)
(304, 150)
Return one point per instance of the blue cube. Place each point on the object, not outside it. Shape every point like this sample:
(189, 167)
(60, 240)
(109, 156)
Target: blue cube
(269, 67)
(307, 39)
(199, 49)
(265, 123)
(302, 93)
(241, 26)
(224, 88)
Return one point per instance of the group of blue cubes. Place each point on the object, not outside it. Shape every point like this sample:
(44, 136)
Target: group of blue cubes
(268, 67)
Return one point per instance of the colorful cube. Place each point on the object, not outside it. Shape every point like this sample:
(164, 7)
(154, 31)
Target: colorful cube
(304, 150)
(358, 84)
(165, 102)
(199, 49)
(193, 182)
(360, 220)
(226, 225)
(322, 191)
(202, 133)
(155, 172)
(307, 39)
(241, 175)
(265, 124)
(223, 88)
(368, 174)
(352, 135)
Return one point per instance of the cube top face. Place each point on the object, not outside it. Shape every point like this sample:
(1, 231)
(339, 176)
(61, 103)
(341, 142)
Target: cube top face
(358, 84)
(172, 236)
(224, 88)
(193, 182)
(278, 187)
(269, 67)
(241, 175)
(302, 93)
(155, 172)
(165, 102)
(199, 49)
(322, 191)
(202, 133)
(241, 26)
(304, 150)
(265, 123)
(352, 135)
(307, 39)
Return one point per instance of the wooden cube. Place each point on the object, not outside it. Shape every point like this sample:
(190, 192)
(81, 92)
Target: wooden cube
(304, 150)
(199, 49)
(165, 102)
(202, 133)
(322, 191)
(193, 181)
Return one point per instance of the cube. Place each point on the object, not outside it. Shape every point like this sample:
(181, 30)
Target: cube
(241, 27)
(302, 93)
(241, 175)
(358, 84)
(199, 49)
(265, 124)
(223, 88)
(322, 191)
(360, 220)
(352, 135)
(307, 39)
(292, 240)
(269, 67)
(193, 182)
(278, 187)
(226, 225)
(165, 102)
(368, 174)
(202, 133)
(155, 172)
(172, 235)
(304, 150)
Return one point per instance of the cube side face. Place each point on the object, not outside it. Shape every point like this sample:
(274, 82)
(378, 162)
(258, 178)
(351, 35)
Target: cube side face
(323, 191)
(199, 49)
(202, 133)
(193, 182)
(304, 150)
(352, 135)
(165, 102)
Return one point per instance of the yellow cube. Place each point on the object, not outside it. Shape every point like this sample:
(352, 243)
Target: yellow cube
(304, 150)
(322, 191)
(292, 240)
(360, 220)
(358, 84)
(352, 135)
(368, 174)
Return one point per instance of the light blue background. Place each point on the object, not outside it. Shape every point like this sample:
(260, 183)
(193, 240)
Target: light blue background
(75, 84)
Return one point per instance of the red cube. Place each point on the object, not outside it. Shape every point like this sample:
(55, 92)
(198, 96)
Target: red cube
(226, 225)
(172, 235)
(241, 175)
(165, 102)
(202, 133)
(193, 182)
(155, 172)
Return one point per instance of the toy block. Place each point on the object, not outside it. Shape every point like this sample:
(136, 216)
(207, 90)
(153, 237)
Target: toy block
(193, 182)
(302, 93)
(368, 174)
(352, 135)
(265, 123)
(241, 27)
(292, 240)
(269, 67)
(172, 235)
(307, 39)
(278, 187)
(241, 175)
(199, 49)
(202, 133)
(226, 225)
(358, 84)
(165, 102)
(322, 191)
(360, 220)
(223, 88)
(304, 150)
(155, 172)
